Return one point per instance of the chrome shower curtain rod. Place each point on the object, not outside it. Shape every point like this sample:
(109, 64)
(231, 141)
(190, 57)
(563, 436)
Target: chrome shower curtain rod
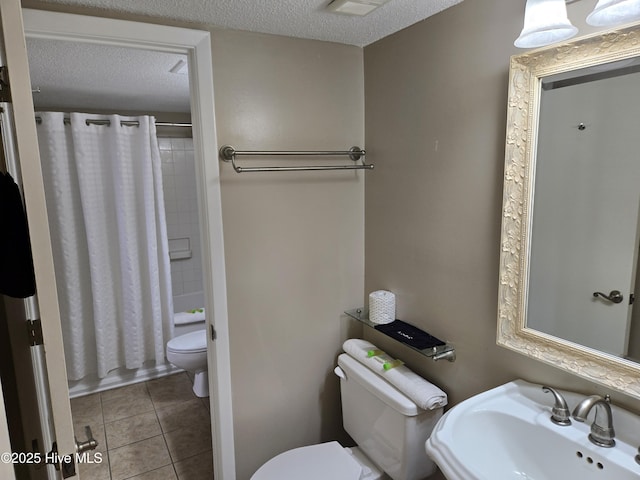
(127, 123)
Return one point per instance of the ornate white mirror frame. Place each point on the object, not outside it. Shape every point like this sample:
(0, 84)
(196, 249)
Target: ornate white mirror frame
(526, 72)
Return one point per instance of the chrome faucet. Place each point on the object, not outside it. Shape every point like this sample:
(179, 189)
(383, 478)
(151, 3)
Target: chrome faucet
(600, 435)
(560, 412)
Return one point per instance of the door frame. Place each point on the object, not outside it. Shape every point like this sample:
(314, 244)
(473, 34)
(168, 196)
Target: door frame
(196, 44)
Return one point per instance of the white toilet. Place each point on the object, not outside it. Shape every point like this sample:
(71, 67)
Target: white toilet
(390, 429)
(189, 352)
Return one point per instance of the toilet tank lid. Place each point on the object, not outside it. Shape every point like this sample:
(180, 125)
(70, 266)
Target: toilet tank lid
(315, 462)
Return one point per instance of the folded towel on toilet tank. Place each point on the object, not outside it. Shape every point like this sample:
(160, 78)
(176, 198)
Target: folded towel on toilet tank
(424, 393)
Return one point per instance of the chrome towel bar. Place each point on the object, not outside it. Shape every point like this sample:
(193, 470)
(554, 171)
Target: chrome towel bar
(229, 154)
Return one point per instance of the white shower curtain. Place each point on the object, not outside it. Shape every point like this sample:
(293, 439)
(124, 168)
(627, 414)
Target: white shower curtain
(103, 186)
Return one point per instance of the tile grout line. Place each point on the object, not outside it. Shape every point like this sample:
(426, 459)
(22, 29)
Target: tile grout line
(164, 438)
(136, 442)
(106, 442)
(144, 473)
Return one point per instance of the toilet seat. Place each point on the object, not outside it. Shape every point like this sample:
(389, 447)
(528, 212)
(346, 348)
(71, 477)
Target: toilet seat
(314, 462)
(192, 342)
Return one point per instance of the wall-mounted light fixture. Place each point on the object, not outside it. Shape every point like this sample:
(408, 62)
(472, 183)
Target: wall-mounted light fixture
(546, 21)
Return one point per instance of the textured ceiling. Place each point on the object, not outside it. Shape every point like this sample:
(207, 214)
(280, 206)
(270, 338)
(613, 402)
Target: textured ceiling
(78, 76)
(86, 76)
(293, 18)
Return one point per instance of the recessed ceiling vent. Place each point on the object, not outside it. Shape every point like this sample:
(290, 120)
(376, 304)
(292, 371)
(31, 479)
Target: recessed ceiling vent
(181, 68)
(355, 7)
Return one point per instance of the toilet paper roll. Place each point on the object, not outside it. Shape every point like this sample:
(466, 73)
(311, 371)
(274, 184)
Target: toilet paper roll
(382, 307)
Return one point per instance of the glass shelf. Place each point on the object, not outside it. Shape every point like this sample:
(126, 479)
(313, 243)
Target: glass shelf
(441, 352)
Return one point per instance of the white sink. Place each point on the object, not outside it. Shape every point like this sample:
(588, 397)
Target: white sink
(505, 433)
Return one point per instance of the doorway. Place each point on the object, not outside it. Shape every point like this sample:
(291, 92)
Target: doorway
(159, 402)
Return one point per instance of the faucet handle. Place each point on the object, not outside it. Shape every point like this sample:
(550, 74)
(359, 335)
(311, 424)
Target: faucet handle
(560, 414)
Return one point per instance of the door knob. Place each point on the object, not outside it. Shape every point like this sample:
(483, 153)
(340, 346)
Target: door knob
(614, 296)
(90, 444)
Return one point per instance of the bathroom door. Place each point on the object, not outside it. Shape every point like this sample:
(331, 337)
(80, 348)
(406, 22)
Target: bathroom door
(49, 364)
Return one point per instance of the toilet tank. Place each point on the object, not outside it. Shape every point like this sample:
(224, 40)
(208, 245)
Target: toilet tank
(388, 426)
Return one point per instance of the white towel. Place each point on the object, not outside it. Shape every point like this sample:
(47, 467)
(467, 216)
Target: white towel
(425, 394)
(191, 316)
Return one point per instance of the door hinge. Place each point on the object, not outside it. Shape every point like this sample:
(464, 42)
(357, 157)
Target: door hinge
(34, 330)
(68, 467)
(35, 449)
(65, 464)
(5, 88)
(214, 335)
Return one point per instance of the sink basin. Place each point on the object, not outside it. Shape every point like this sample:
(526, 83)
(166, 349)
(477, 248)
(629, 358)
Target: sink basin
(505, 433)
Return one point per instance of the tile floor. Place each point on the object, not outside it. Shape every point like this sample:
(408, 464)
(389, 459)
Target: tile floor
(156, 430)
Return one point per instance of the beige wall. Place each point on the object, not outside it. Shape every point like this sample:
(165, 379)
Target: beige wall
(436, 96)
(293, 241)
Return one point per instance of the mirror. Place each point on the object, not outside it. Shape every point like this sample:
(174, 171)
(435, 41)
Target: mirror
(571, 207)
(584, 228)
